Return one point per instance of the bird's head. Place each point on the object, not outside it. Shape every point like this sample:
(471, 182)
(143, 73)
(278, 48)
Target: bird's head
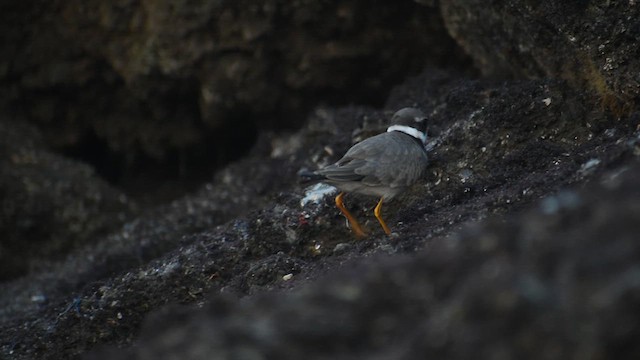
(410, 121)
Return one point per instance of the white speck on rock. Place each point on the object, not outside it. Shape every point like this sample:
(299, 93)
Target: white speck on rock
(589, 166)
(328, 150)
(608, 64)
(341, 248)
(547, 101)
(465, 175)
(564, 199)
(38, 298)
(287, 277)
(285, 146)
(168, 268)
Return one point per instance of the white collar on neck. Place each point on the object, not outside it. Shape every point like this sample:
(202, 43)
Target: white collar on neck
(409, 131)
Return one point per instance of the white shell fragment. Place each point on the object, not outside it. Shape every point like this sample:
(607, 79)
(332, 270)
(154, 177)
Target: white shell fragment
(316, 193)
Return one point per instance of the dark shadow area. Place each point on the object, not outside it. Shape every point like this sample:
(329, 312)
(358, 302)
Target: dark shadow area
(151, 181)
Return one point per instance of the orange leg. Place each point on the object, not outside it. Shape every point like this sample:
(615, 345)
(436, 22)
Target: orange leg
(352, 221)
(376, 212)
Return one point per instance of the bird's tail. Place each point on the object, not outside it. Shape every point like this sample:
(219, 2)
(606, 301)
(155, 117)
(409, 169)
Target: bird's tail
(306, 176)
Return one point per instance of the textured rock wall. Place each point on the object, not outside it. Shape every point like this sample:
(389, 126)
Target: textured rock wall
(150, 77)
(591, 44)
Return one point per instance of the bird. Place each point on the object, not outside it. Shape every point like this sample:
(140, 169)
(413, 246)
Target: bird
(383, 165)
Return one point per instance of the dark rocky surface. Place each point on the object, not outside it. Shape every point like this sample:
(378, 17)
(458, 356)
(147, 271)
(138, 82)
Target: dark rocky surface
(50, 204)
(555, 282)
(521, 241)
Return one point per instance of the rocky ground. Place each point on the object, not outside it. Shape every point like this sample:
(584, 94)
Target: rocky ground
(520, 243)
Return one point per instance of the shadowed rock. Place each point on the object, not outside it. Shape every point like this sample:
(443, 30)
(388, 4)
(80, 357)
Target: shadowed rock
(50, 204)
(123, 84)
(591, 44)
(558, 281)
(246, 231)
